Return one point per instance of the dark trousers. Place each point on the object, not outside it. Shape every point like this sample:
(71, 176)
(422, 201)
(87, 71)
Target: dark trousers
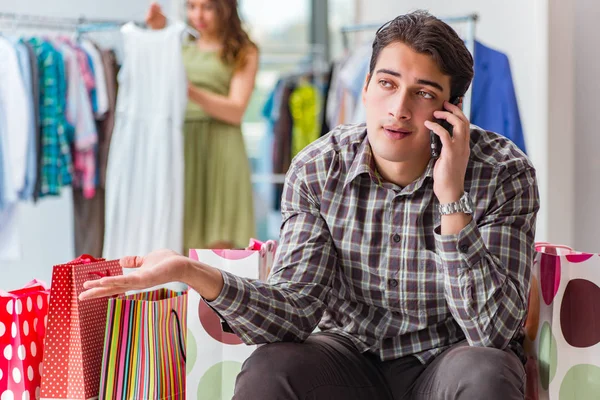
(329, 367)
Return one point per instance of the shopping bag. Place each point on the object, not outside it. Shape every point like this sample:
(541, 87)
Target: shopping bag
(23, 314)
(144, 346)
(214, 356)
(75, 332)
(562, 329)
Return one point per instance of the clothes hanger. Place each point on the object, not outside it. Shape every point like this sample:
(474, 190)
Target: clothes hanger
(188, 29)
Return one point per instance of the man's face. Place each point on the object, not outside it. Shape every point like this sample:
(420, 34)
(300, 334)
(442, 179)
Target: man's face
(405, 89)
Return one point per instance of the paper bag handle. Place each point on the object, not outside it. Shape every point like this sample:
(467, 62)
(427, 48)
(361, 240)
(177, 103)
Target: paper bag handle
(86, 259)
(543, 245)
(31, 287)
(180, 336)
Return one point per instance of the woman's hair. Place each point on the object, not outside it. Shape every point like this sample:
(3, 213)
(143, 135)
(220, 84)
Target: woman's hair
(236, 42)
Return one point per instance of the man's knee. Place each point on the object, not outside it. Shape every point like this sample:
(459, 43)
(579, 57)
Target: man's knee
(270, 372)
(473, 373)
(477, 372)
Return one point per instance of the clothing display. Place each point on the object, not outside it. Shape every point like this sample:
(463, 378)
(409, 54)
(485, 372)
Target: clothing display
(144, 178)
(50, 136)
(89, 213)
(218, 190)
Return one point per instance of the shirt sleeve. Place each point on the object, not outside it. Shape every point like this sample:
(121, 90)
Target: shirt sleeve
(487, 266)
(289, 306)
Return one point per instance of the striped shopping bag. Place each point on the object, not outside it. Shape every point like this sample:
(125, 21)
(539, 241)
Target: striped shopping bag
(144, 346)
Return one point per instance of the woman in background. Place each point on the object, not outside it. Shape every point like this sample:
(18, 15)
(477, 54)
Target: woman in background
(221, 67)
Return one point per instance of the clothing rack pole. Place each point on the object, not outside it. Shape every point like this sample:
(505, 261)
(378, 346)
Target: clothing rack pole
(469, 19)
(372, 26)
(81, 25)
(31, 19)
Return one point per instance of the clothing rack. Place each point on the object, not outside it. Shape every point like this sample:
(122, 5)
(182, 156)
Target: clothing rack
(313, 55)
(79, 25)
(59, 22)
(469, 19)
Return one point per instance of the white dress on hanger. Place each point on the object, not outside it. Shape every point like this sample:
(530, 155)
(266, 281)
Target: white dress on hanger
(144, 185)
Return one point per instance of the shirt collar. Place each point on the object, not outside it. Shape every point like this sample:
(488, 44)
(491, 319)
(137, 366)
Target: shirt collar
(364, 163)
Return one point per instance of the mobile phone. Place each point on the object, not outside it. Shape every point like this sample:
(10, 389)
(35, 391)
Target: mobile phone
(435, 142)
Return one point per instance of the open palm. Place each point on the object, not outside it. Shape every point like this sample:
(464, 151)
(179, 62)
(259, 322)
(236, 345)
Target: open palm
(156, 268)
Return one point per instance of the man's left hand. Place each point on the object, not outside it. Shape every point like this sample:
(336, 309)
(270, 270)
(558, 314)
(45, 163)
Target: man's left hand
(450, 168)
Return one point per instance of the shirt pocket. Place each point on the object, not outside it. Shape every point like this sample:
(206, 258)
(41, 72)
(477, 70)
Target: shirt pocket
(422, 289)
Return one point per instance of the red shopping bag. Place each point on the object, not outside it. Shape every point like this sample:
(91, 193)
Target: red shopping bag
(22, 319)
(75, 332)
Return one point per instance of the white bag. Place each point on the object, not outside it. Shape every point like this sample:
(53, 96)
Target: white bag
(214, 357)
(563, 325)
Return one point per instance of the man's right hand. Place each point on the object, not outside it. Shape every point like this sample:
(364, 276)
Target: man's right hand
(157, 268)
(155, 18)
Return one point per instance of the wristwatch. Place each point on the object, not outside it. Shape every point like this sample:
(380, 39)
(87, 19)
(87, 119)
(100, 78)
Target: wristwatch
(463, 205)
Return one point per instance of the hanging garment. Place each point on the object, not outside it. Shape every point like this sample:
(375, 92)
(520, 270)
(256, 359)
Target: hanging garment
(35, 93)
(305, 106)
(99, 77)
(144, 181)
(14, 137)
(282, 131)
(494, 103)
(87, 72)
(106, 126)
(349, 88)
(79, 115)
(26, 192)
(89, 213)
(16, 114)
(56, 163)
(218, 187)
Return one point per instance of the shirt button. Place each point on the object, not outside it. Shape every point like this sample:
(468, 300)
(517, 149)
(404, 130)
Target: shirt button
(396, 238)
(464, 248)
(393, 283)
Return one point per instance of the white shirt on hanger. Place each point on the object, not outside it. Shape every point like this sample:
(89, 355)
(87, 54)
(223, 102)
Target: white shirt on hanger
(14, 115)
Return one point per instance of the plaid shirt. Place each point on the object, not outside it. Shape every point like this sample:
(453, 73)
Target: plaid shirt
(56, 132)
(364, 258)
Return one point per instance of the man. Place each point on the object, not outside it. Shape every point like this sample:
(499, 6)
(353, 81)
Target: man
(415, 269)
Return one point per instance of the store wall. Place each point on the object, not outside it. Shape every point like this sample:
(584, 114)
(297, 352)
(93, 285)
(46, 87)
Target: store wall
(587, 123)
(536, 36)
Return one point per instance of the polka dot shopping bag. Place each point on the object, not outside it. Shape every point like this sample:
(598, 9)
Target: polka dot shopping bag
(562, 330)
(214, 355)
(23, 315)
(75, 332)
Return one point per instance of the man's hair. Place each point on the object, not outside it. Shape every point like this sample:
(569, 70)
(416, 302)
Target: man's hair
(426, 34)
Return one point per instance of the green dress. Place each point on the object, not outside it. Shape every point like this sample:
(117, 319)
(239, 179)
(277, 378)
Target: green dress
(218, 189)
